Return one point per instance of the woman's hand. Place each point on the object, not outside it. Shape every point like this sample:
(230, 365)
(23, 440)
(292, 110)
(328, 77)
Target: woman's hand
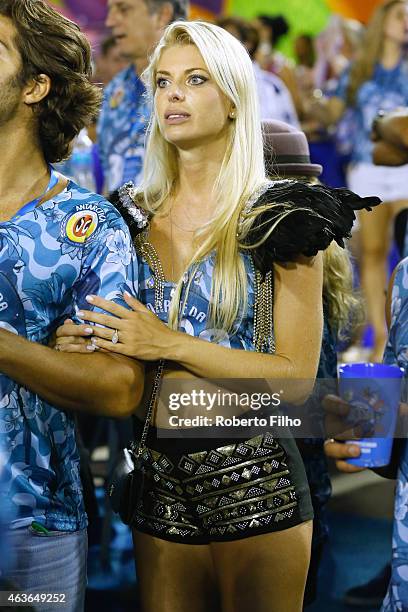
(136, 333)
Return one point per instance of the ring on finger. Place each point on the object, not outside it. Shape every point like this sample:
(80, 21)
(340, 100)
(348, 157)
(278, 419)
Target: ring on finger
(329, 441)
(115, 337)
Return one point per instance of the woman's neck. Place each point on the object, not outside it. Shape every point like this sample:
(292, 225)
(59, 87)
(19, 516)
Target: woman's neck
(391, 53)
(198, 171)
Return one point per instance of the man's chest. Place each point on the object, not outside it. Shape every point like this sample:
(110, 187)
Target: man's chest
(127, 116)
(36, 280)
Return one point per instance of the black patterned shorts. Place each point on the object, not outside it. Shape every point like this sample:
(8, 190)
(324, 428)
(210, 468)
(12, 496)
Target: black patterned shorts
(238, 490)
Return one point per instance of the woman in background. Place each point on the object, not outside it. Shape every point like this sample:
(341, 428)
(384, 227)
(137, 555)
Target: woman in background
(377, 80)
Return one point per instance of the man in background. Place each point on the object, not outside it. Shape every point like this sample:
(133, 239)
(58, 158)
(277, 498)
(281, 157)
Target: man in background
(137, 26)
(275, 100)
(390, 136)
(109, 62)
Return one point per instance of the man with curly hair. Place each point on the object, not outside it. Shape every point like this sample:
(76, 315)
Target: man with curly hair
(137, 26)
(58, 243)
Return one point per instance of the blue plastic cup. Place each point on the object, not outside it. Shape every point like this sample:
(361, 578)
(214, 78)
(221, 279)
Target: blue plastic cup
(374, 392)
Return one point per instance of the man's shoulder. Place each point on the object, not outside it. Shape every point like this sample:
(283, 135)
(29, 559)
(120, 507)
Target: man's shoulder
(270, 79)
(401, 275)
(119, 79)
(82, 212)
(126, 83)
(74, 194)
(122, 96)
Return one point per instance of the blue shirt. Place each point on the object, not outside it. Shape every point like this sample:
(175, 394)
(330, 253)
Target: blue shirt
(121, 129)
(396, 353)
(387, 89)
(50, 259)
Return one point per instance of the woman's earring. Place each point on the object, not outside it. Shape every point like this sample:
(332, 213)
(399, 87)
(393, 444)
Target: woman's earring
(232, 114)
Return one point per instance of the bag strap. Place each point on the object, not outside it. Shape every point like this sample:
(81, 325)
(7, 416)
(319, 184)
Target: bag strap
(264, 340)
(139, 447)
(264, 334)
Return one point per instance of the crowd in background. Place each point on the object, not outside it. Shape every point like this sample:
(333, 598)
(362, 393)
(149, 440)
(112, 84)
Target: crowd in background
(296, 91)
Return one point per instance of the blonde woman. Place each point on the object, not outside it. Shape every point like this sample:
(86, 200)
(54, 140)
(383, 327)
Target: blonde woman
(221, 524)
(377, 80)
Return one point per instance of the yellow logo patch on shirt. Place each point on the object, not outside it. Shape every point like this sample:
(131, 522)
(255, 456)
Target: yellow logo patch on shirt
(81, 225)
(117, 98)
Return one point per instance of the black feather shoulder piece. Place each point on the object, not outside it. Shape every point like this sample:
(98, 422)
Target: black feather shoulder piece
(290, 218)
(136, 218)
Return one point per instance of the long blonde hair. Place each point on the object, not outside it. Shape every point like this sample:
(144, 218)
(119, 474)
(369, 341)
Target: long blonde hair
(241, 173)
(370, 50)
(344, 306)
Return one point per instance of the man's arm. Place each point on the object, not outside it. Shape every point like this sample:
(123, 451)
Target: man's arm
(98, 383)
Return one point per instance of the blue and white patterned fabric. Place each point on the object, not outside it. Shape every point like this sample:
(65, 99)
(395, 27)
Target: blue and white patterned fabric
(121, 129)
(313, 454)
(385, 91)
(50, 259)
(194, 320)
(396, 353)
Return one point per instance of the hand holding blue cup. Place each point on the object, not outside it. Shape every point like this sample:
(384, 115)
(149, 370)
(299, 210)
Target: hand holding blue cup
(373, 391)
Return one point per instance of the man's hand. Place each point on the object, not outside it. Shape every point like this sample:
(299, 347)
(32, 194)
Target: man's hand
(336, 448)
(340, 452)
(338, 421)
(337, 411)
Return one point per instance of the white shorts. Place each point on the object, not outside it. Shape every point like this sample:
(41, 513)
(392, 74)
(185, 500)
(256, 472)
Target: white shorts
(390, 183)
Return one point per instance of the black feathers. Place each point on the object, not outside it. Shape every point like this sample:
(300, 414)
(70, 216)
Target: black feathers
(307, 218)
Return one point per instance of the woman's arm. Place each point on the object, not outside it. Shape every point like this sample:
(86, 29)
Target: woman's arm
(298, 318)
(298, 328)
(99, 383)
(390, 136)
